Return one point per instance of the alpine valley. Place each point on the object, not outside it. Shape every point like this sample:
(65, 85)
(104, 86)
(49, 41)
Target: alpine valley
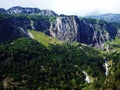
(41, 50)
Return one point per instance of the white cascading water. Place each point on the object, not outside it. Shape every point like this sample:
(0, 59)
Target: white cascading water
(87, 79)
(106, 68)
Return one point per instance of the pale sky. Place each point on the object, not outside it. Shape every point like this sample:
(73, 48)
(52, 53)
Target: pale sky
(69, 7)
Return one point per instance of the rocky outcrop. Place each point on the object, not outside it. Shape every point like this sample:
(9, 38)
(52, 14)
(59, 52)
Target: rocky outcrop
(92, 32)
(96, 32)
(22, 10)
(65, 28)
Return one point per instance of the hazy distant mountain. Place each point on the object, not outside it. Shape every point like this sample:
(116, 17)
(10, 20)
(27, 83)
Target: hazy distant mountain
(23, 10)
(110, 17)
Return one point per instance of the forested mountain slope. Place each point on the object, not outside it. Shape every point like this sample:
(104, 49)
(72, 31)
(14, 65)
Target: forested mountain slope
(33, 58)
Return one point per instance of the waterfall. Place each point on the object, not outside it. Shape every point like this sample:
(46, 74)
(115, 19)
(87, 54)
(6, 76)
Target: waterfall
(106, 68)
(87, 79)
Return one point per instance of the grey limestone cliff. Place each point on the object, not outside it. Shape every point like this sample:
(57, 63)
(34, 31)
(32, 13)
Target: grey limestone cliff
(92, 32)
(65, 28)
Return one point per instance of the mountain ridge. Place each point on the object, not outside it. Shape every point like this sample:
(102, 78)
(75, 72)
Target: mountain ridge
(28, 10)
(65, 28)
(109, 17)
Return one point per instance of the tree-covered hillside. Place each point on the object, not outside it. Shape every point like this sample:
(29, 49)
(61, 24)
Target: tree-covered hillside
(27, 64)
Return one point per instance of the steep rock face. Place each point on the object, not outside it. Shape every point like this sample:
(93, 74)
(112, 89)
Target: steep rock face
(71, 28)
(65, 28)
(95, 32)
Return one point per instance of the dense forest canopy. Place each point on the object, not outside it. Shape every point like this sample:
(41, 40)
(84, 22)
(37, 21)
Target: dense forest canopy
(27, 64)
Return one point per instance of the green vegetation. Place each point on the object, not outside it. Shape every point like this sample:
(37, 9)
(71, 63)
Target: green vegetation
(43, 38)
(48, 64)
(114, 45)
(117, 40)
(15, 26)
(35, 17)
(27, 64)
(112, 81)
